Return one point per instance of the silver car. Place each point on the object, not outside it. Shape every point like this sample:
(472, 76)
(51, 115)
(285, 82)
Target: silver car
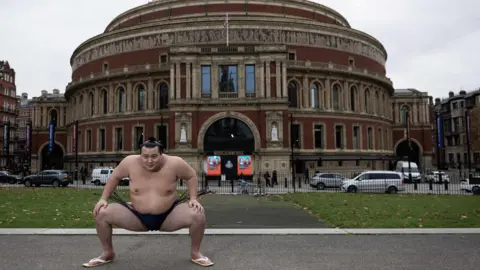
(326, 180)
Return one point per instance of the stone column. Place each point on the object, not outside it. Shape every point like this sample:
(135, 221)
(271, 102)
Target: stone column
(178, 91)
(328, 94)
(60, 117)
(284, 79)
(96, 94)
(268, 79)
(150, 99)
(262, 79)
(241, 80)
(195, 92)
(129, 96)
(172, 82)
(111, 98)
(214, 80)
(278, 79)
(188, 91)
(305, 92)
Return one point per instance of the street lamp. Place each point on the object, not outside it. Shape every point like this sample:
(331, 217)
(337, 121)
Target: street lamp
(468, 142)
(406, 112)
(291, 150)
(440, 141)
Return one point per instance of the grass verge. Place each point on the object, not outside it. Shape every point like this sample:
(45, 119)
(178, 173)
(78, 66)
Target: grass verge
(49, 207)
(390, 211)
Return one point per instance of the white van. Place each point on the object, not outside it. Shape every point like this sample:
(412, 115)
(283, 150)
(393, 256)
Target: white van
(402, 167)
(100, 176)
(375, 181)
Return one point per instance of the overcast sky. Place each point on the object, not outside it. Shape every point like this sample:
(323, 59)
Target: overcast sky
(432, 45)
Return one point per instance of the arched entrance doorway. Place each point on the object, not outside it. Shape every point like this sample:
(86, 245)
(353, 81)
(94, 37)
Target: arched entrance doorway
(52, 160)
(228, 145)
(402, 151)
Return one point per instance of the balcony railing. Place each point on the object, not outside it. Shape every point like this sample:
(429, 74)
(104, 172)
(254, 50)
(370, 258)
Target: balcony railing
(291, 64)
(121, 71)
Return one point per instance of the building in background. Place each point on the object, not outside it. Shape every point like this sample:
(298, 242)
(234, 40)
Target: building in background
(24, 117)
(452, 112)
(8, 114)
(47, 109)
(419, 105)
(242, 88)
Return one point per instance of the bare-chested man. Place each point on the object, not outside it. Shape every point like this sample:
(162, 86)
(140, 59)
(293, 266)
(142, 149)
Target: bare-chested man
(154, 206)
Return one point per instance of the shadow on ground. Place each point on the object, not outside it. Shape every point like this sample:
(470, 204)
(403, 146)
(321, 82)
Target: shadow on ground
(245, 211)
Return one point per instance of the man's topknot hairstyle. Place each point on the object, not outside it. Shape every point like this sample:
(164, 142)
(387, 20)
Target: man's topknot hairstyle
(151, 142)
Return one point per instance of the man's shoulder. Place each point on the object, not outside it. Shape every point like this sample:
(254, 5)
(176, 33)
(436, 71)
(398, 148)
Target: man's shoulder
(174, 159)
(130, 158)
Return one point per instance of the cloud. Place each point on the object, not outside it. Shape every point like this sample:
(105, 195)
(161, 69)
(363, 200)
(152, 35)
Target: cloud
(431, 44)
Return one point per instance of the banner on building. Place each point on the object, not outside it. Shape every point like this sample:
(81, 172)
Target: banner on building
(440, 132)
(28, 135)
(51, 137)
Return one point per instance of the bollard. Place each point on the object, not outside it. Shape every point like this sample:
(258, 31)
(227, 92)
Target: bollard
(446, 185)
(286, 184)
(415, 185)
(430, 184)
(181, 182)
(299, 182)
(233, 188)
(220, 182)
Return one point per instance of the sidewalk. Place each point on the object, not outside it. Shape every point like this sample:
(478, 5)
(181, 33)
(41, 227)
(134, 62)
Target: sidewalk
(267, 252)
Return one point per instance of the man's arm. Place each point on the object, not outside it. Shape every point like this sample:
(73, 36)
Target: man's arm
(185, 172)
(120, 172)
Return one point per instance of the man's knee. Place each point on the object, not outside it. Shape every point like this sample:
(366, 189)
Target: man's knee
(196, 216)
(102, 215)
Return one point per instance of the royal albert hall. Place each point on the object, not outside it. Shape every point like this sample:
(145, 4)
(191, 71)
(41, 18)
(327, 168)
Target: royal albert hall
(236, 81)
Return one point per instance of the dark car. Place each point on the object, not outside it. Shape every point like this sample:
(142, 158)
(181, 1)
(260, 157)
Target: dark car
(6, 177)
(54, 178)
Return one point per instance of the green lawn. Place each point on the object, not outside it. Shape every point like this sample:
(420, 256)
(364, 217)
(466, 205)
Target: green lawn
(390, 211)
(49, 207)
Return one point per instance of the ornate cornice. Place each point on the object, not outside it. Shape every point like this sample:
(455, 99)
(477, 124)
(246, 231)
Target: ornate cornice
(209, 31)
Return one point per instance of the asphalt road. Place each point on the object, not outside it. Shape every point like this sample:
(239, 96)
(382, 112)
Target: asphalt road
(248, 252)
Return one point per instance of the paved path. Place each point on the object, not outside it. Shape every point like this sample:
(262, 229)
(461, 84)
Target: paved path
(260, 252)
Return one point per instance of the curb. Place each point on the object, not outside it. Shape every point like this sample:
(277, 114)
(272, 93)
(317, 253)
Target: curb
(293, 231)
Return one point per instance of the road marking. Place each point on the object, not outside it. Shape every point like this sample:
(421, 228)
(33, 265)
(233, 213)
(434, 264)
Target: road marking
(260, 231)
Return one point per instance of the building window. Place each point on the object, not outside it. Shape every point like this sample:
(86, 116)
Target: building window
(318, 129)
(89, 140)
(336, 97)
(339, 136)
(141, 98)
(292, 94)
(138, 137)
(227, 83)
(121, 100)
(370, 138)
(295, 136)
(163, 96)
(118, 139)
(314, 95)
(250, 80)
(105, 101)
(206, 81)
(162, 135)
(353, 98)
(356, 137)
(102, 139)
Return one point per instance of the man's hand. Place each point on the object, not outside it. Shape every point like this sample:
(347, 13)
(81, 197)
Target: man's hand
(195, 205)
(101, 203)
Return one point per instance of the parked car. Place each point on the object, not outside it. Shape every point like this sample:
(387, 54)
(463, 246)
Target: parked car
(100, 176)
(434, 176)
(375, 181)
(54, 178)
(326, 180)
(7, 177)
(403, 168)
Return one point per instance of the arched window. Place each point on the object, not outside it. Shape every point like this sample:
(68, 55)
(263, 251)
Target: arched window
(53, 116)
(367, 100)
(141, 98)
(91, 103)
(292, 94)
(353, 98)
(163, 96)
(315, 96)
(105, 101)
(336, 97)
(121, 100)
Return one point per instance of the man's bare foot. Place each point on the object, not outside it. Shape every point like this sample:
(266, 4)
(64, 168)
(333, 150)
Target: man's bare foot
(199, 259)
(102, 259)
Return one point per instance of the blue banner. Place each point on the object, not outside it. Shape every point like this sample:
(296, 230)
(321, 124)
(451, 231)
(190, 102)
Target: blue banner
(51, 137)
(440, 139)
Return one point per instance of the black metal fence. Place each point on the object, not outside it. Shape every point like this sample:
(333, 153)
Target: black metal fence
(454, 183)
